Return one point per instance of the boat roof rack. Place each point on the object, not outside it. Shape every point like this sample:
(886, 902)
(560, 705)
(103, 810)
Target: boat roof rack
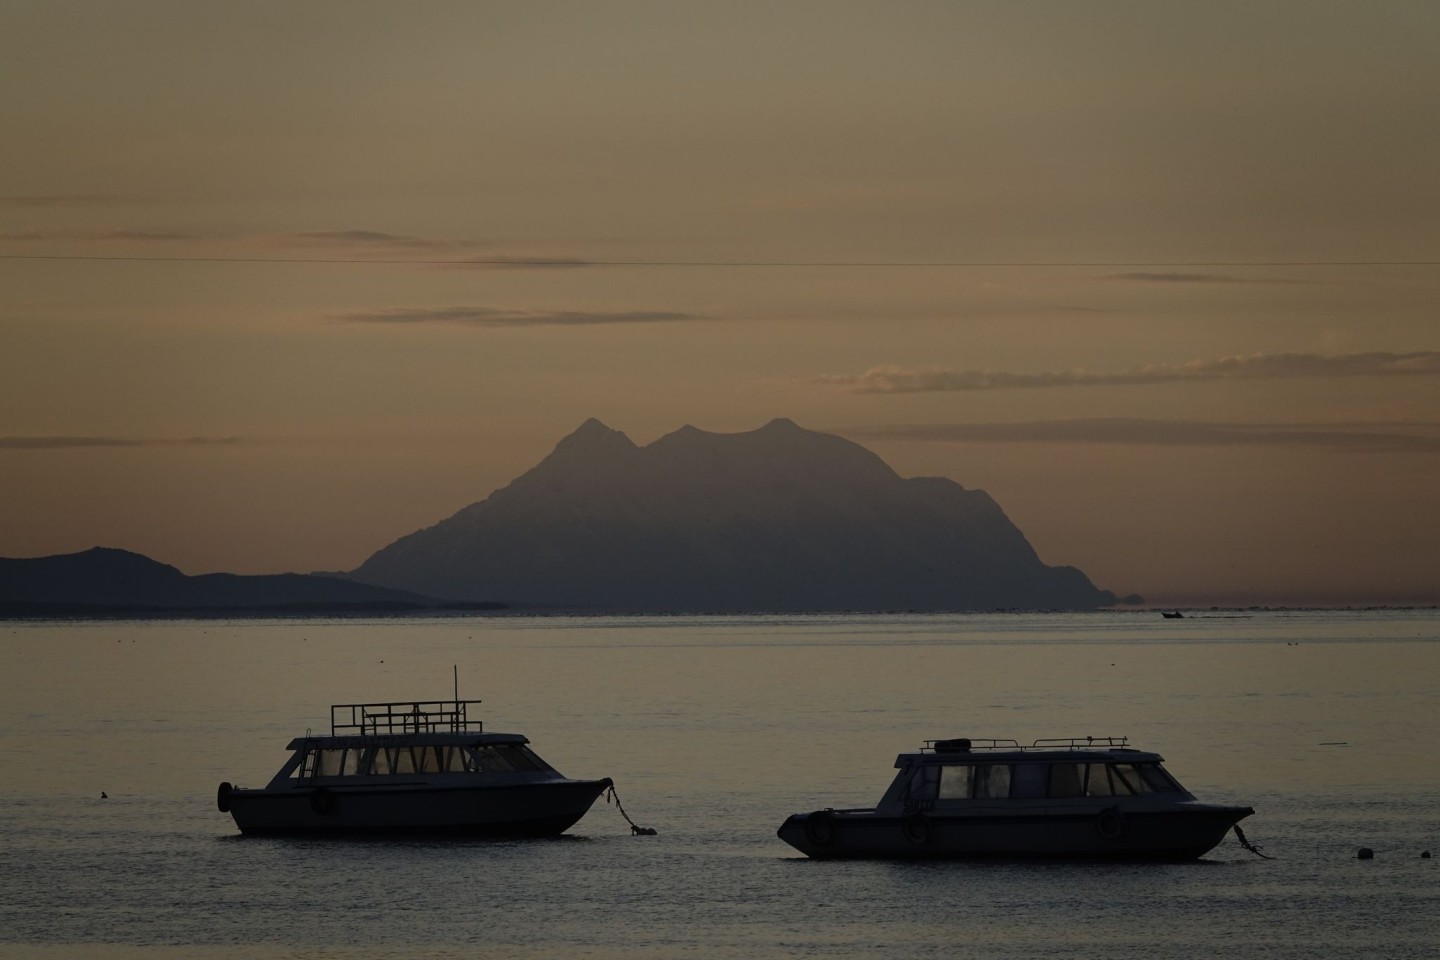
(968, 744)
(403, 716)
(1057, 742)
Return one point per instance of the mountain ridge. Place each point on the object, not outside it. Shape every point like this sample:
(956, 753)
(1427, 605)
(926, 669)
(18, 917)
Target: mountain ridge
(778, 519)
(109, 581)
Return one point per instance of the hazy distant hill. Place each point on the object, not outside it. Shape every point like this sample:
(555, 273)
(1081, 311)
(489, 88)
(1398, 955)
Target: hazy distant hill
(779, 519)
(107, 581)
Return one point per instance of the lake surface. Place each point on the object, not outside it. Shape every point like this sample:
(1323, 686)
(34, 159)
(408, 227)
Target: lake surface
(715, 730)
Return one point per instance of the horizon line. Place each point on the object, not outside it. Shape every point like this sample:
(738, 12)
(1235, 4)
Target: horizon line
(740, 264)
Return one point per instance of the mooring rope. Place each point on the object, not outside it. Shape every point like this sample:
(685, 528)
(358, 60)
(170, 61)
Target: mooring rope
(635, 829)
(1252, 847)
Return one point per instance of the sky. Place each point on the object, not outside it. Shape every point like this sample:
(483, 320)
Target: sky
(280, 283)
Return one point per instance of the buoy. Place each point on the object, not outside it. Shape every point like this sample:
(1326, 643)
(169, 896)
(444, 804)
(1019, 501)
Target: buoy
(106, 796)
(1424, 854)
(1365, 853)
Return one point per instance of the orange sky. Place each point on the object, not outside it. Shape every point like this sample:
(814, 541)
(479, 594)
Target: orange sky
(1160, 278)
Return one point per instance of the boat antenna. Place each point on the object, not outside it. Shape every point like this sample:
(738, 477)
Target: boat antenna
(455, 668)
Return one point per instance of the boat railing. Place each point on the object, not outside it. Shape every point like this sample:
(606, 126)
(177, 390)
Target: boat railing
(966, 744)
(971, 744)
(404, 716)
(1060, 743)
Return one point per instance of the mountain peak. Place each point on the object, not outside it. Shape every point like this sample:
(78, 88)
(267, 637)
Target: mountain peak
(778, 519)
(592, 435)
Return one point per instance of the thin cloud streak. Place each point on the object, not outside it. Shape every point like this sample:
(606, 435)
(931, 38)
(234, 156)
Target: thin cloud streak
(1181, 277)
(462, 251)
(491, 317)
(1258, 366)
(520, 263)
(105, 236)
(45, 200)
(76, 443)
(1354, 437)
(366, 240)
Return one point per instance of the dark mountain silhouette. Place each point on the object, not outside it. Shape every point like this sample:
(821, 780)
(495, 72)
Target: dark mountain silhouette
(780, 519)
(108, 581)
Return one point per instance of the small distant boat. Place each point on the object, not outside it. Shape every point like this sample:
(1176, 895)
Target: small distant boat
(1093, 797)
(1172, 615)
(411, 767)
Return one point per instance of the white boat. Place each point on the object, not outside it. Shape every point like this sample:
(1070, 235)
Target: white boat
(1067, 798)
(411, 767)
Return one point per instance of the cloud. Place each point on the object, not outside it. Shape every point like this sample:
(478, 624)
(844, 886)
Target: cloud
(1258, 366)
(365, 240)
(101, 235)
(1177, 277)
(1174, 277)
(61, 200)
(452, 253)
(520, 263)
(72, 443)
(491, 317)
(1357, 437)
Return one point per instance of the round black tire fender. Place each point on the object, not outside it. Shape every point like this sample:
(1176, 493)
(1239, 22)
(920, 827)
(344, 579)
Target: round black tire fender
(1110, 823)
(820, 828)
(916, 828)
(222, 796)
(322, 801)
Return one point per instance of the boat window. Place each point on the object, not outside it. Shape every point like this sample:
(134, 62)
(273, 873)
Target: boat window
(334, 762)
(1098, 783)
(1126, 774)
(982, 781)
(430, 760)
(457, 760)
(383, 761)
(1028, 780)
(330, 764)
(492, 760)
(955, 781)
(306, 767)
(1159, 780)
(1065, 780)
(535, 759)
(992, 781)
(924, 782)
(522, 758)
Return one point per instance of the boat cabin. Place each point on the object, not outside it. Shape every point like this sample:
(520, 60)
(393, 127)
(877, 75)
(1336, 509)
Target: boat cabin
(411, 739)
(958, 773)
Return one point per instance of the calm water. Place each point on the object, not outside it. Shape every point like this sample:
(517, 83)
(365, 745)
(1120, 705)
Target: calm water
(715, 730)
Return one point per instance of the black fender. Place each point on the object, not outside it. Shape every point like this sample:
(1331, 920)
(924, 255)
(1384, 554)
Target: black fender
(820, 828)
(916, 828)
(1110, 823)
(322, 801)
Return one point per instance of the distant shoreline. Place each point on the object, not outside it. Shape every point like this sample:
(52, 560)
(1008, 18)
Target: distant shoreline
(20, 612)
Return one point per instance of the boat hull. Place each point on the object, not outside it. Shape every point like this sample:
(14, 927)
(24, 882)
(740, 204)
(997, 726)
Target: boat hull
(538, 809)
(1181, 832)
